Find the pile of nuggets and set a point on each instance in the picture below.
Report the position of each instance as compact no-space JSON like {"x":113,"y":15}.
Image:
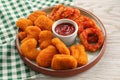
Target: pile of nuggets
{"x":38,"y":44}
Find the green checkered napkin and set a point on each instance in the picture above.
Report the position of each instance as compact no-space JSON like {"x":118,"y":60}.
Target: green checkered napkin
{"x":11,"y":66}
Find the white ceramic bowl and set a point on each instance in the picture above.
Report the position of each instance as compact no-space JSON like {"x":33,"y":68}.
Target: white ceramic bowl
{"x":67,"y":39}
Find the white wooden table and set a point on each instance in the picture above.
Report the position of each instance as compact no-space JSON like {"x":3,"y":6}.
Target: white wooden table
{"x":108,"y":68}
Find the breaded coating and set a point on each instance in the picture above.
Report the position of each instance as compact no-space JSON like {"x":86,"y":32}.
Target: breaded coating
{"x":78,"y":52}
{"x":63,"y":62}
{"x":33,"y":32}
{"x":44,"y":23}
{"x":28,"y":49}
{"x":22,"y":23}
{"x":56,"y":12}
{"x":75,"y":14}
{"x":62,"y":48}
{"x":25,"y":39}
{"x":45,"y":35}
{"x":45,"y":44}
{"x":33,"y":16}
{"x":45,"y":56}
{"x":22,"y":35}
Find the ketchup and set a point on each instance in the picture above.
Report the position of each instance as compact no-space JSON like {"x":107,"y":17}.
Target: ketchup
{"x":65,"y":29}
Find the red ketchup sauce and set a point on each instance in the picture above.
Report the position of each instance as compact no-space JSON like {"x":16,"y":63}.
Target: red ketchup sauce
{"x":65,"y":29}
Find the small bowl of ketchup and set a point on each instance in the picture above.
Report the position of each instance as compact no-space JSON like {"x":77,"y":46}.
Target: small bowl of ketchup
{"x":66,"y":30}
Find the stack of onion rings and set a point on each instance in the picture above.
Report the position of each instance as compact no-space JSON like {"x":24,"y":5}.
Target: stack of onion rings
{"x":84,"y":23}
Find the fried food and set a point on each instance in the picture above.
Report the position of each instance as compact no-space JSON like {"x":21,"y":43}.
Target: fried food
{"x":92,"y":38}
{"x":45,"y":56}
{"x":25,"y":39}
{"x":56,"y":12}
{"x":63,"y":62}
{"x":22,"y":35}
{"x":68,"y":11}
{"x":84,"y":39}
{"x":45,"y":38}
{"x":45,"y":35}
{"x":75,"y":14}
{"x":22,"y":23}
{"x":28,"y":49}
{"x":80,"y":19}
{"x":78,"y":52}
{"x":87,"y":23}
{"x":33,"y":16}
{"x":60,"y":11}
{"x":62,"y":48}
{"x":45,"y":44}
{"x":33,"y":32}
{"x":38,"y":43}
{"x":44,"y":23}
{"x":84,"y":23}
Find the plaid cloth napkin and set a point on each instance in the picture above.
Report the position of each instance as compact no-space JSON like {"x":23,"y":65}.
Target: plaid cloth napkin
{"x":11,"y":66}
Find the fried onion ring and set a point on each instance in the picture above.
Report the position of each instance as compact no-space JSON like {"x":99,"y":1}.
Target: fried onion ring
{"x":84,"y":23}
{"x":88,"y":46}
{"x":92,"y":38}
{"x":56,"y":12}
{"x":75,"y":14}
{"x":87,"y":23}
{"x":68,"y":11}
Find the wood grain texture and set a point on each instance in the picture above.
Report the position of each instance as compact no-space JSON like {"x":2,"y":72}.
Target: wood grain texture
{"x":108,"y":68}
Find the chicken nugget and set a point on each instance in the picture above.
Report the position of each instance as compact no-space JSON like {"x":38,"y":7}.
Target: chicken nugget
{"x":44,"y":23}
{"x":45,"y":44}
{"x":33,"y":32}
{"x":22,"y":35}
{"x":62,"y":48}
{"x":63,"y":62}
{"x":33,"y":16}
{"x":45,"y":35}
{"x":45,"y":56}
{"x":78,"y":52}
{"x":28,"y":49}
{"x":22,"y":23}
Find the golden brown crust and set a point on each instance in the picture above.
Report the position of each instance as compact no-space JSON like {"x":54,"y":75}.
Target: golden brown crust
{"x":22,"y":23}
{"x":33,"y":32}
{"x":45,"y":35}
{"x":33,"y":16}
{"x":45,"y":56}
{"x":84,"y":39}
{"x":22,"y":35}
{"x":62,"y":48}
{"x":78,"y":52}
{"x":44,"y":23}
{"x":45,"y":44}
{"x":56,"y":12}
{"x":28,"y":49}
{"x":63,"y":62}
